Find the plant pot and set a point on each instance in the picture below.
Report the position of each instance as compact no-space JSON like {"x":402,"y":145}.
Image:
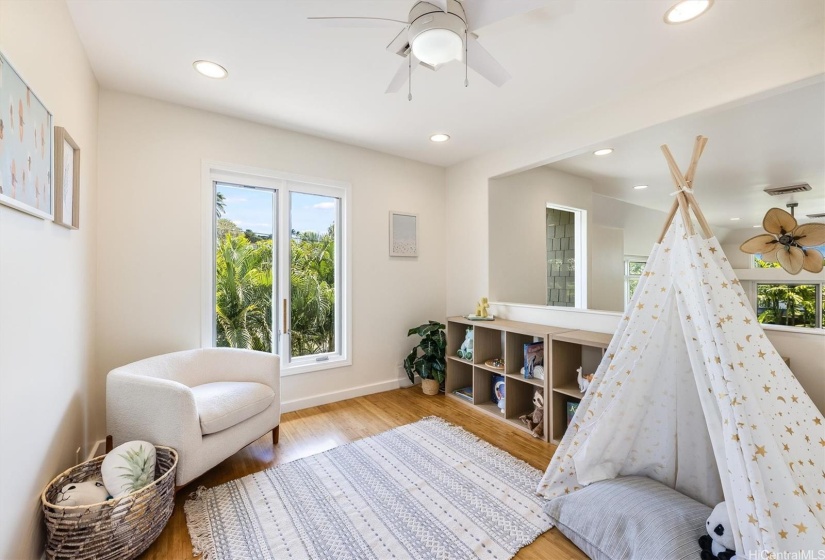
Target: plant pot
{"x":429,"y":386}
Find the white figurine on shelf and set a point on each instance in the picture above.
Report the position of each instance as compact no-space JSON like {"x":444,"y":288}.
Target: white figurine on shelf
{"x":584,"y":380}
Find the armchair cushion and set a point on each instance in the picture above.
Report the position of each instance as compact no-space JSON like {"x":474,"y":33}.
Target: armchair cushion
{"x":224,"y":404}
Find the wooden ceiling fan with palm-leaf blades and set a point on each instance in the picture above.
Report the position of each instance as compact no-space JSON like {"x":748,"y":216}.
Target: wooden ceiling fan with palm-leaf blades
{"x":787,"y":243}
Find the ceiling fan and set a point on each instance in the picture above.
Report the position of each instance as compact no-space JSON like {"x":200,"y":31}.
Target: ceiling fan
{"x":438,"y":32}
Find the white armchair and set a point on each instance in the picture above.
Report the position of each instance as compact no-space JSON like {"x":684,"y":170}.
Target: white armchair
{"x":206,"y":404}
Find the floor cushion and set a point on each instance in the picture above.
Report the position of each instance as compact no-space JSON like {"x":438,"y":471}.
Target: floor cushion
{"x":630,"y":517}
{"x":224,"y":404}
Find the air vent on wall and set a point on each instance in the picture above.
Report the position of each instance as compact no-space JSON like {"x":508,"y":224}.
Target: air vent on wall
{"x":778,"y":191}
{"x":814,"y":216}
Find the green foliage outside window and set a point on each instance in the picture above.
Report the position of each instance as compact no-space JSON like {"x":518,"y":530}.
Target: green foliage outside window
{"x":784,"y":304}
{"x":244,"y":290}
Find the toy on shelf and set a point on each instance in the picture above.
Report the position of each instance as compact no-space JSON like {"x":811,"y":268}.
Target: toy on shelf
{"x":584,"y":380}
{"x":499,"y":394}
{"x":466,"y":350}
{"x":482,"y":307}
{"x":535,"y":420}
{"x":481,"y":311}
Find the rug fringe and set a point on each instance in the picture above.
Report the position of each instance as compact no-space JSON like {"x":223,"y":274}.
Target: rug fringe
{"x":197,"y":521}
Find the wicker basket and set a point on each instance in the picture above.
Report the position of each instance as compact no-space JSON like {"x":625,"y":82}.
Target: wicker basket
{"x":120,"y":528}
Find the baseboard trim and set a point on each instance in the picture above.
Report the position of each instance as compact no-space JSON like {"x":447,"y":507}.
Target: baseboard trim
{"x":335,"y":396}
{"x":99,"y":444}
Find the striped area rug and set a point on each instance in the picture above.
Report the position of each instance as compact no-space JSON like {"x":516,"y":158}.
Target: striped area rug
{"x":427,"y":490}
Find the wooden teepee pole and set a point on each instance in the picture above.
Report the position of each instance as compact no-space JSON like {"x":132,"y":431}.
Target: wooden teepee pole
{"x":685,"y":199}
{"x":679,"y":181}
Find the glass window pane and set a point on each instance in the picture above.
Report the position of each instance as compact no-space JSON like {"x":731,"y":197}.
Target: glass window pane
{"x":631,"y":288}
{"x":784,"y":304}
{"x":561,"y":257}
{"x":635,"y":268}
{"x":243,"y":267}
{"x":313,"y":262}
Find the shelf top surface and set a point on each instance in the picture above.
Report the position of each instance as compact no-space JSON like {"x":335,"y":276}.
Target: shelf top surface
{"x":530,"y":329}
{"x":586,"y":338}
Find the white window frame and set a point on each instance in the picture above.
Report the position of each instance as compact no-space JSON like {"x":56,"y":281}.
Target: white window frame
{"x":283,"y":184}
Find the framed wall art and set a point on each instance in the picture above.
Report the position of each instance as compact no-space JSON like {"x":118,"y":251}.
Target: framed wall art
{"x":403,"y":234}
{"x":25,"y":146}
{"x":66,"y":179}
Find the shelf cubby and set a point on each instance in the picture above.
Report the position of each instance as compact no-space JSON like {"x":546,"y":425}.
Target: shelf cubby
{"x":498,"y":339}
{"x":569,"y":351}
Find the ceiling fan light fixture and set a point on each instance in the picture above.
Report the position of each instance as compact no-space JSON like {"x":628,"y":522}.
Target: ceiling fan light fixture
{"x":687,"y":10}
{"x":438,"y":46}
{"x":210,"y":69}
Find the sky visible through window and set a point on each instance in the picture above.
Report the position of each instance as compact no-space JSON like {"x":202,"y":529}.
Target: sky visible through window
{"x":252,"y":209}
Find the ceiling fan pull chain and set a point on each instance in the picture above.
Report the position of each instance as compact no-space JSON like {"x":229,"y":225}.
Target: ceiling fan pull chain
{"x":409,"y":81}
{"x":466,"y":81}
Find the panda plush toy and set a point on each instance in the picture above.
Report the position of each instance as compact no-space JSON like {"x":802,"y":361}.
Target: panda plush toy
{"x":718,"y":543}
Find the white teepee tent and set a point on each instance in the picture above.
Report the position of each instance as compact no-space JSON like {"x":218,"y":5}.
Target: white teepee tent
{"x":692,"y":393}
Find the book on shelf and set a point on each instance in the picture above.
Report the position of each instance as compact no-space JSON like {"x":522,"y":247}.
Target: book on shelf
{"x":465,"y":393}
{"x":497,"y":391}
{"x":572,"y":406}
{"x":533,"y":356}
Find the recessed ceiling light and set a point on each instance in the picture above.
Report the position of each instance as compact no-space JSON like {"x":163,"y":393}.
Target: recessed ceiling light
{"x":686,"y":10}
{"x":603,"y":152}
{"x":757,"y":225}
{"x":210,"y":69}
{"x":735,"y":219}
{"x":439,"y":137}
{"x":640,"y":187}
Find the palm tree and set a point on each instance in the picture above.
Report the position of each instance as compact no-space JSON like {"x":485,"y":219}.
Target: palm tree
{"x":243,"y":302}
{"x":220,"y":205}
{"x":312,"y":290}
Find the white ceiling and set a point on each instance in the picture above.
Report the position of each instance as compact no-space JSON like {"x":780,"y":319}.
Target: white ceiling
{"x":300,"y":75}
{"x":775,"y":140}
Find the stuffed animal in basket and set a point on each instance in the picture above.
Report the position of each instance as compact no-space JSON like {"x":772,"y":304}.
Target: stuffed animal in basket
{"x":718,"y":543}
{"x":466,"y":350}
{"x":82,"y":493}
{"x":535,"y":421}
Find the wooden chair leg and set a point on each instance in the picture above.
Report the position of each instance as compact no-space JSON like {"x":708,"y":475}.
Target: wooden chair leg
{"x":275,"y":434}
{"x":109,"y":443}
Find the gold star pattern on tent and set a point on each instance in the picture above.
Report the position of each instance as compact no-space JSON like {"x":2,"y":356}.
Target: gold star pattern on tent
{"x":787,"y":243}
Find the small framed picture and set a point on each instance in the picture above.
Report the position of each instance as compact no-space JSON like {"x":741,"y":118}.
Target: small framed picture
{"x":403,"y":234}
{"x":66,"y":179}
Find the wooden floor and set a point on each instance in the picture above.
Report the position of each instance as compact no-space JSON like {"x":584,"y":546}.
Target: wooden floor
{"x":317,"y":429}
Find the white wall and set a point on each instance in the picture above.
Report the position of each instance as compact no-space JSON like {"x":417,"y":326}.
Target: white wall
{"x":779,"y":61}
{"x":606,"y":267}
{"x":150,"y":241}
{"x":518,"y":238}
{"x":48,"y":405}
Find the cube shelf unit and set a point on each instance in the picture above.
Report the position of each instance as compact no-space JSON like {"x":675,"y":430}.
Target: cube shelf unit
{"x":568,"y":351}
{"x":497,"y":339}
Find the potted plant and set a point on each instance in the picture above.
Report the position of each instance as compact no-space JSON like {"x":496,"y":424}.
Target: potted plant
{"x":427,"y":358}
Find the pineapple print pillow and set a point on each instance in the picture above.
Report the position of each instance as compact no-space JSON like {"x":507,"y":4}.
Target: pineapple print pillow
{"x":128,"y":467}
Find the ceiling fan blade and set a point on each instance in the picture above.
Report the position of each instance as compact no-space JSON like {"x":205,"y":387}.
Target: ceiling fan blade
{"x":440,"y":4}
{"x":481,"y":13}
{"x":403,"y":74}
{"x":483,"y":62}
{"x":358,"y":22}
{"x":400,"y":44}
